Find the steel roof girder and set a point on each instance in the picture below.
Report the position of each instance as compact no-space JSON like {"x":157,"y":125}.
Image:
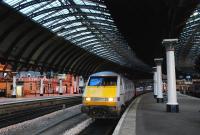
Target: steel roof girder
{"x":67,"y":7}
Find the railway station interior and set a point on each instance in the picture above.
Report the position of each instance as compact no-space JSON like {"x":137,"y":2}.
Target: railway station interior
{"x":61,"y":62}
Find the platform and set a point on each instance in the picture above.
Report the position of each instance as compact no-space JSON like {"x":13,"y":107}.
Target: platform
{"x":4,"y":101}
{"x":151,"y":118}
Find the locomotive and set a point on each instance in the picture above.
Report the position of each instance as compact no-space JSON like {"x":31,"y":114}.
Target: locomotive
{"x":107,"y":94}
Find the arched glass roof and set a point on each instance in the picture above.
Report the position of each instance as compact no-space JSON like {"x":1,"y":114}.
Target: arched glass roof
{"x":86,"y":23}
{"x":188,"y":48}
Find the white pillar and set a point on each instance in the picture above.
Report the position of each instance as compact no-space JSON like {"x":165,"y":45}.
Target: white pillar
{"x":41,"y":87}
{"x":155,"y":82}
{"x":172,"y":104}
{"x":158,"y":62}
{"x":14,"y":85}
{"x":75,"y":86}
{"x":71,"y":90}
{"x":60,"y":87}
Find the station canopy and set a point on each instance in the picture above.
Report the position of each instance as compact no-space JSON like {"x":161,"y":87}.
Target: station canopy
{"x":85,"y":23}
{"x":188,"y":49}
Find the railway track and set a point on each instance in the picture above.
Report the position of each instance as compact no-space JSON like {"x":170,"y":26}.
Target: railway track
{"x":100,"y":127}
{"x":24,"y":115}
{"x":60,"y":127}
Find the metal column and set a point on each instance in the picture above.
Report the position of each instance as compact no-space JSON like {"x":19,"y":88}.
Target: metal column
{"x":14,"y":85}
{"x":155,"y":82}
{"x":158,"y":62}
{"x":60,"y":87}
{"x":172,"y":104}
{"x":41,"y":87}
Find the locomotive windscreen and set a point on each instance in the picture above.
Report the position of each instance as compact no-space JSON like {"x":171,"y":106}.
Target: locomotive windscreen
{"x":103,"y":81}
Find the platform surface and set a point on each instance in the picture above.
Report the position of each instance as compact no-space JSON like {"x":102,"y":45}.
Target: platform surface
{"x":152,"y":119}
{"x":30,"y":98}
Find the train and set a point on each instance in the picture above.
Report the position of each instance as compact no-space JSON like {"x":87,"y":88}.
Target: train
{"x":107,"y":95}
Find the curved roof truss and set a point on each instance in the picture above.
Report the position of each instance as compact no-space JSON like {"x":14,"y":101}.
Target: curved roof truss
{"x":188,"y":49}
{"x":87,"y":24}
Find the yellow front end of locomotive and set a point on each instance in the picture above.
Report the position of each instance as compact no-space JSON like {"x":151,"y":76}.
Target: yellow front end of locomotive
{"x":100,"y":96}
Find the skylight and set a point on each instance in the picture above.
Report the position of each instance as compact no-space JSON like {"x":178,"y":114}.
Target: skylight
{"x":86,"y":23}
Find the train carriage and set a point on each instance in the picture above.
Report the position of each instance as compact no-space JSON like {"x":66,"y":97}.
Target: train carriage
{"x":106,"y":95}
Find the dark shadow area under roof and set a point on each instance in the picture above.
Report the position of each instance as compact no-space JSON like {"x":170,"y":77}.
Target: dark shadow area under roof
{"x":26,"y":45}
{"x":145,"y":23}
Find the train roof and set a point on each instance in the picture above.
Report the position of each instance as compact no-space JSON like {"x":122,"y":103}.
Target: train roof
{"x":105,"y":73}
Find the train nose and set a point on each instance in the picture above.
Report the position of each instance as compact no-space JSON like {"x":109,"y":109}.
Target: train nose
{"x":85,"y":109}
{"x":99,"y":112}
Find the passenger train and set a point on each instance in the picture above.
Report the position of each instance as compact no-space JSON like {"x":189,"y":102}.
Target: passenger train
{"x":106,"y":95}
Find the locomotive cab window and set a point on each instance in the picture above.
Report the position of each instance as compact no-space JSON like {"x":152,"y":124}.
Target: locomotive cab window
{"x":102,"y":81}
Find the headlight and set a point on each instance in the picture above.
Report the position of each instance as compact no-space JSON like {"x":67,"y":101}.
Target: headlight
{"x":88,"y":99}
{"x":110,"y":99}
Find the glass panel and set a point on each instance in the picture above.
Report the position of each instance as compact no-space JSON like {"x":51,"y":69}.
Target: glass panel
{"x":91,"y":44}
{"x":13,"y":2}
{"x":66,"y":20}
{"x":84,"y":33}
{"x":88,"y":41}
{"x":103,"y":6}
{"x":79,"y":2}
{"x":29,"y":9}
{"x":83,"y":2}
{"x":86,"y":10}
{"x":40,"y":16}
{"x":57,"y":28}
{"x":85,"y":37}
{"x":47,"y":24}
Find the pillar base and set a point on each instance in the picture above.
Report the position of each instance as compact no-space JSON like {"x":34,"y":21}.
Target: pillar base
{"x":41,"y":94}
{"x":13,"y":96}
{"x":173,"y":108}
{"x":60,"y":93}
{"x":155,"y":96}
{"x":160,"y":100}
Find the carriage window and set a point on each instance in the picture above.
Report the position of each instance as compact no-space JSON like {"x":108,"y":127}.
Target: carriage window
{"x":102,"y":81}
